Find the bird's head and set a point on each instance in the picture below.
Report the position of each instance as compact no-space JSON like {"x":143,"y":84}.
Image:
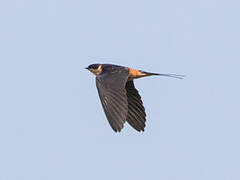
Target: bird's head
{"x":95,"y":68}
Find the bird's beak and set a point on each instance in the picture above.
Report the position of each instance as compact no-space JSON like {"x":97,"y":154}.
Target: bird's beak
{"x":87,"y":68}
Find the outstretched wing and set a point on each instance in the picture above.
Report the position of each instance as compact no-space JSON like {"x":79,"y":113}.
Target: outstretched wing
{"x":136,"y":116}
{"x":112,"y":93}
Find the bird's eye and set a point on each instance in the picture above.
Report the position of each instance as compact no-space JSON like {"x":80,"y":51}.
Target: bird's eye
{"x":93,"y":66}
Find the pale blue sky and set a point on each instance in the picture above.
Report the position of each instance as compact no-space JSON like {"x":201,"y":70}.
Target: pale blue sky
{"x":52,"y":125}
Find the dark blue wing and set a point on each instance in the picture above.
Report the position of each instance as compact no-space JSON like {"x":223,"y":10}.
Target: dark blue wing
{"x":136,"y":116}
{"x":112,"y":93}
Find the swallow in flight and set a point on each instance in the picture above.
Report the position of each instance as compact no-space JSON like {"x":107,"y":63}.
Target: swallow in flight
{"x":119,"y":97}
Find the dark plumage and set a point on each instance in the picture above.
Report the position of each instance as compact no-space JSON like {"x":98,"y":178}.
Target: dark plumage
{"x":119,"y":97}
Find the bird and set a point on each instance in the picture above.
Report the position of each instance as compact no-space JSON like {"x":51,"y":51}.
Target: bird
{"x":120,"y":99}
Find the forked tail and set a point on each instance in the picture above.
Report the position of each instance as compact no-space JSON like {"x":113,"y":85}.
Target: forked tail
{"x":179,"y":76}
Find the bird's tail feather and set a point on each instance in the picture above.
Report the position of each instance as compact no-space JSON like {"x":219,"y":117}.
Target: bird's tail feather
{"x":179,"y":76}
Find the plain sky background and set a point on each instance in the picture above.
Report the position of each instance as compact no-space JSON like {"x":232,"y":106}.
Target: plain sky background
{"x":52,"y":125}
